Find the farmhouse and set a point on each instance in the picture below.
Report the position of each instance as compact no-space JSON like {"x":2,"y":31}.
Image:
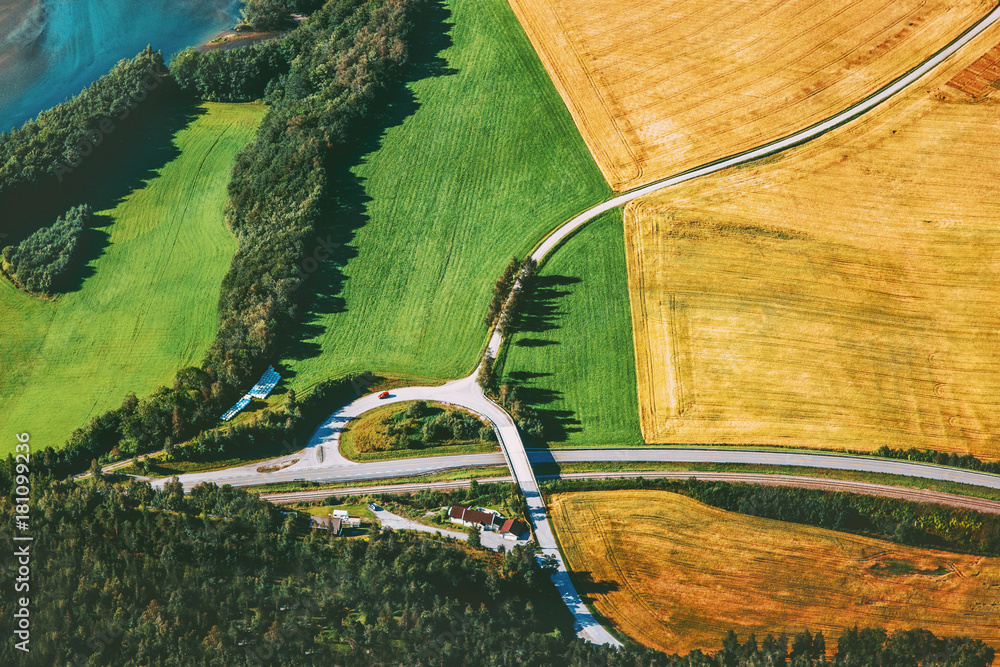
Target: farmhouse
{"x":512,"y":529}
{"x":465,"y":516}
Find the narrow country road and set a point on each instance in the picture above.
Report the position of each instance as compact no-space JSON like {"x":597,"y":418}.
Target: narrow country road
{"x":321,"y":459}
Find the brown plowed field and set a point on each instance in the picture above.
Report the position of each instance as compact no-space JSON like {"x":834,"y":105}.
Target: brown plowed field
{"x":675,"y":574}
{"x":660,"y":86}
{"x":843,"y":294}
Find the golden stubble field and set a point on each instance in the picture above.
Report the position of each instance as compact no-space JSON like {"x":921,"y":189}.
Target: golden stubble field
{"x":660,"y":86}
{"x":675,"y":574}
{"x":843,"y":294}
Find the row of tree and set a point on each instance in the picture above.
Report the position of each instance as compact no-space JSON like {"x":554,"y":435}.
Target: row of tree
{"x":902,"y":521}
{"x":501,"y":290}
{"x":955,"y":460}
{"x":175,"y":415}
{"x":41,"y":262}
{"x":508,"y":395}
{"x":866,"y":647}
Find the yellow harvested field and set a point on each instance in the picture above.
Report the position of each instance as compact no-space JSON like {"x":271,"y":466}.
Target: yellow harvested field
{"x":843,"y":294}
{"x":675,"y":574}
{"x":661,"y":86}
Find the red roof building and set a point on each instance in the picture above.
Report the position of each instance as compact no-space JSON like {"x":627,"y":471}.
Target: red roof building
{"x":462,"y":514}
{"x":512,"y":529}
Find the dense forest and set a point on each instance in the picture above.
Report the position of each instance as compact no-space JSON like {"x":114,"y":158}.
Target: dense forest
{"x":124,"y":575}
{"x":273,"y":14}
{"x":40,"y":262}
{"x":234,"y":75}
{"x":901,"y":521}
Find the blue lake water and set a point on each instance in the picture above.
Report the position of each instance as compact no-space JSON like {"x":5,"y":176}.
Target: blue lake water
{"x":51,"y":49}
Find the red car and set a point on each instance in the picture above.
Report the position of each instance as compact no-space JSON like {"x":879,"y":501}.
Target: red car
{"x":384,"y":394}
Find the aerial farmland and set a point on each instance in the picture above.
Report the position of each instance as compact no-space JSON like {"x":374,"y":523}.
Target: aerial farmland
{"x":838,"y":296}
{"x":657,"y":88}
{"x":496,"y":332}
{"x":676,"y":574}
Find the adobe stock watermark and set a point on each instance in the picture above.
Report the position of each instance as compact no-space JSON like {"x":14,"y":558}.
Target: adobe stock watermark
{"x":22,"y":542}
{"x":106,"y":125}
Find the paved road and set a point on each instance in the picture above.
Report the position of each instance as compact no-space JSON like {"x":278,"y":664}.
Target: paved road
{"x":778,"y":458}
{"x":779,"y":145}
{"x":799,"y":481}
{"x":419,"y":466}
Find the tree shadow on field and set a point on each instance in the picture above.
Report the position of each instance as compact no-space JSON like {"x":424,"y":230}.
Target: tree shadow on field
{"x":587,"y":585}
{"x":539,"y":313}
{"x":346,"y":207}
{"x":127,"y":157}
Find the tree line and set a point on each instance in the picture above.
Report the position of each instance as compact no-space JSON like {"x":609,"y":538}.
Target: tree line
{"x":55,"y":141}
{"x":508,"y":395}
{"x":133,"y":576}
{"x":273,"y":14}
{"x":170,"y":416}
{"x":345,"y":56}
{"x":40,"y":263}
{"x":233,"y":75}
{"x":967,"y":461}
{"x":895,"y":520}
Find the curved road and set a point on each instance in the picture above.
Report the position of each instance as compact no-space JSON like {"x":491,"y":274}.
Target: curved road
{"x":321,"y":455}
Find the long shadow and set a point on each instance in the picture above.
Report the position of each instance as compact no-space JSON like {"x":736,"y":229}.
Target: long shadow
{"x":539,"y":314}
{"x":539,"y":310}
{"x":587,"y":585}
{"x":347,"y":197}
{"x":128,"y":156}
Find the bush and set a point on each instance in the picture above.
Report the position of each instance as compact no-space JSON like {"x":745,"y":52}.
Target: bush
{"x":418,"y":410}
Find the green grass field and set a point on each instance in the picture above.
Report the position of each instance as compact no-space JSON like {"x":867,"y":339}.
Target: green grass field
{"x":485,"y":162}
{"x":149,"y":306}
{"x":572,"y":351}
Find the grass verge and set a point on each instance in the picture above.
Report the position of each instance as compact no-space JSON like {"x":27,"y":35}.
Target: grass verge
{"x":444,"y":476}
